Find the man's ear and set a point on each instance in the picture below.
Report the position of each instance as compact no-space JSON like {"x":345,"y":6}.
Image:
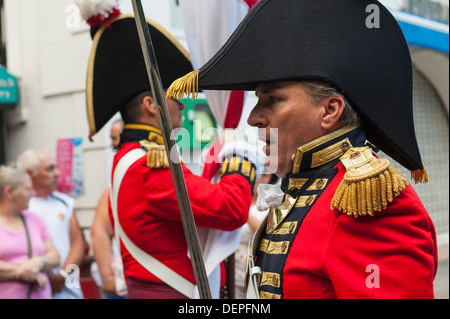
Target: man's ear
{"x":149,"y":105}
{"x":6,"y":192}
{"x":332,"y":111}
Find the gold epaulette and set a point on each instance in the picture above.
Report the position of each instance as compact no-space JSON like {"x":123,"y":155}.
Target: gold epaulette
{"x":369,"y":184}
{"x":156,"y":154}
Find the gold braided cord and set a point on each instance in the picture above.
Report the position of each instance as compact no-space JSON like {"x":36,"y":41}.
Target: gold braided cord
{"x":187,"y":84}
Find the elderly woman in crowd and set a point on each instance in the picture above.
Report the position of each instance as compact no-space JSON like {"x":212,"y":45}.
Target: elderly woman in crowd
{"x":26,"y":249}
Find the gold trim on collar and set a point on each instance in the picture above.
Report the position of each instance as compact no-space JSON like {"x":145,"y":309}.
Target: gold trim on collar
{"x":319,"y":141}
{"x":154,"y":135}
{"x":142,"y":127}
{"x":330,"y":153}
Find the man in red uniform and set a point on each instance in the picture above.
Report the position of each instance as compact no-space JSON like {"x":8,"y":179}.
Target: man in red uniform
{"x":330,"y":76}
{"x":144,"y":203}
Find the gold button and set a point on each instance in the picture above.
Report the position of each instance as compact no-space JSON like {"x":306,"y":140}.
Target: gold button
{"x":275,"y":280}
{"x":320,"y":183}
{"x":345,"y":146}
{"x":309,"y":200}
{"x":355,"y":155}
{"x":283,"y":247}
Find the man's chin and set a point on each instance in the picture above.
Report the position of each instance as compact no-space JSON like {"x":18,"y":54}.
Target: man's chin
{"x":271,"y":165}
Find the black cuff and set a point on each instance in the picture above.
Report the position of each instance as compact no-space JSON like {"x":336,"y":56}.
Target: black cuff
{"x":235,"y":164}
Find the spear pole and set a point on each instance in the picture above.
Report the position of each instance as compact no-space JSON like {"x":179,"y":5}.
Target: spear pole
{"x":187,"y":218}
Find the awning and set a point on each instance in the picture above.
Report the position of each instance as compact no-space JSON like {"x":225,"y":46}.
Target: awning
{"x":423,"y":32}
{"x":9,"y":90}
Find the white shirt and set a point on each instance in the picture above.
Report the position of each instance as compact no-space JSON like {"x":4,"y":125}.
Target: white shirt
{"x":56,"y":210}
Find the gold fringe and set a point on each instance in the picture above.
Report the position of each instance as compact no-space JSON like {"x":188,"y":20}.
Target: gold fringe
{"x":187,"y":84}
{"x":420,"y":175}
{"x":366,"y":193}
{"x":156,"y":154}
{"x":157,"y":157}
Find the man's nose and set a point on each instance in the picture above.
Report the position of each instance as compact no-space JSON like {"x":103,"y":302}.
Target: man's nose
{"x":56,"y":172}
{"x":256,"y":118}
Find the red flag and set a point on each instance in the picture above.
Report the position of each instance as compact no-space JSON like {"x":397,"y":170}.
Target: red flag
{"x":251,"y":3}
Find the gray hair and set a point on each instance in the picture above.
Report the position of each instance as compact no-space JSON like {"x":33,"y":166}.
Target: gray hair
{"x":29,"y":161}
{"x":318,"y":90}
{"x":118,"y":121}
{"x":11,"y":176}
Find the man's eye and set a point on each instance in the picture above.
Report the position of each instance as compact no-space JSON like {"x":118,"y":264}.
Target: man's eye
{"x":50,"y":168}
{"x":274,"y":100}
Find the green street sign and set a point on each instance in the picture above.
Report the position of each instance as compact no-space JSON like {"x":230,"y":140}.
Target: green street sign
{"x":9,"y":90}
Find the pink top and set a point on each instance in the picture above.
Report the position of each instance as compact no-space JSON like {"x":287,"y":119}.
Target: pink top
{"x":13,"y":248}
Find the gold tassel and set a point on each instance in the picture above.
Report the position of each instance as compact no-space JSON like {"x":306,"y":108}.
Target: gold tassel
{"x":364,"y":193}
{"x":187,"y":84}
{"x":420,"y":175}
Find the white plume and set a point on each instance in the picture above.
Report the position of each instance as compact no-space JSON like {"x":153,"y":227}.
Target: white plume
{"x":90,"y":8}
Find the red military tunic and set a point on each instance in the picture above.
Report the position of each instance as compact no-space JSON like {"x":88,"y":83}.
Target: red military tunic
{"x":319,"y":252}
{"x":149,"y":214}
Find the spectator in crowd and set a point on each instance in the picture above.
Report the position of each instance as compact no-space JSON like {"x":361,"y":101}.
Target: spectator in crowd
{"x":26,"y":248}
{"x":57,"y":210}
{"x":106,"y":253}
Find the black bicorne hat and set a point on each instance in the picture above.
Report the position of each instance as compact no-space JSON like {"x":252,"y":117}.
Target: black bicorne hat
{"x":356,"y":46}
{"x":117,"y":71}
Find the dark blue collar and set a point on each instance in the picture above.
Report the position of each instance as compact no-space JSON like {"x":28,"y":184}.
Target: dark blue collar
{"x":326,"y":148}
